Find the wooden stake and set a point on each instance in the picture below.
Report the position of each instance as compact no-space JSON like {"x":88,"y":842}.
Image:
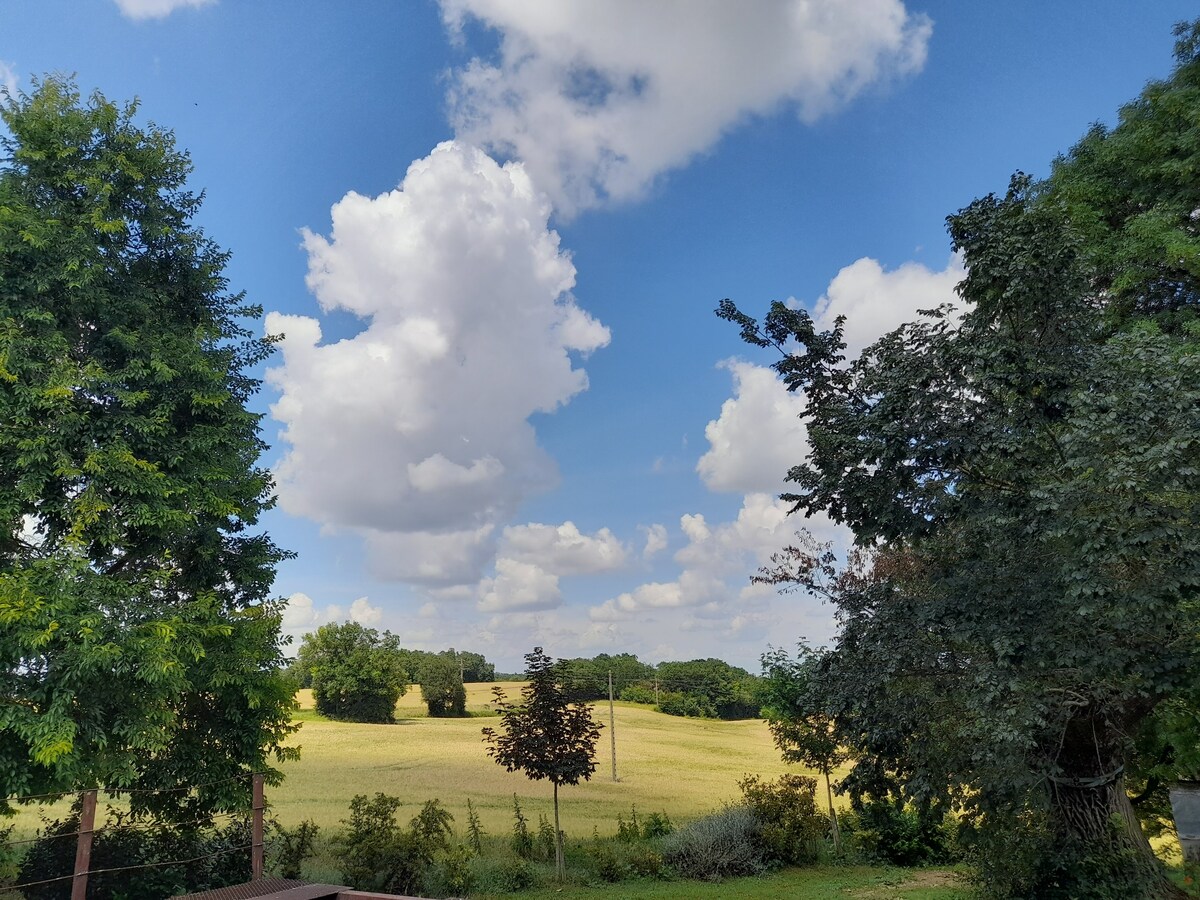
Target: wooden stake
{"x":83,"y":846}
{"x":612,"y":726}
{"x":256,"y":848}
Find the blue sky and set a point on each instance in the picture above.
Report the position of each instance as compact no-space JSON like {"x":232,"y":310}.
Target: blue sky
{"x":493,"y":235}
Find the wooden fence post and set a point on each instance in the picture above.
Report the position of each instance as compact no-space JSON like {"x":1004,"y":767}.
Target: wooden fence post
{"x":256,"y":849}
{"x":83,"y":846}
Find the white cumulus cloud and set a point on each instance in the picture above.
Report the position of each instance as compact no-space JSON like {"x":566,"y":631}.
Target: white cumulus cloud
{"x":757,"y":437}
{"x":875,"y":300}
{"x":519,"y":586}
{"x":156,"y":9}
{"x":656,"y":540}
{"x":415,"y":433}
{"x":599,"y":98}
{"x":563,"y":549}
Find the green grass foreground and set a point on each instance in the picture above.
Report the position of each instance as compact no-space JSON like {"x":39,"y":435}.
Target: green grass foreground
{"x":816,"y":883}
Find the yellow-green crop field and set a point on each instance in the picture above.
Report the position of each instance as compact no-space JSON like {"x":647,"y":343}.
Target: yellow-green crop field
{"x":683,"y":767}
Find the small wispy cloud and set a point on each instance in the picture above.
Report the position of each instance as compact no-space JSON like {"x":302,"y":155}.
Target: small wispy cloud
{"x":139,"y":10}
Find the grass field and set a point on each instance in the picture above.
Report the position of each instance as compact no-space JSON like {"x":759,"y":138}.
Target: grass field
{"x":683,"y":767}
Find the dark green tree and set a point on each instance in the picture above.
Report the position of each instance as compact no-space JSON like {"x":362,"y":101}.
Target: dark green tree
{"x":548,"y":735}
{"x":441,"y":688}
{"x":139,"y":645}
{"x":801,"y":726}
{"x":473,"y":667}
{"x":710,"y":686}
{"x":357,"y":673}
{"x":1023,"y":478}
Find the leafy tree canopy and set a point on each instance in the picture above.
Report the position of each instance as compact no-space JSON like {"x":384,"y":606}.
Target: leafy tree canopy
{"x":139,"y":647}
{"x":1021,"y":476}
{"x":356,"y":672}
{"x":441,"y":687}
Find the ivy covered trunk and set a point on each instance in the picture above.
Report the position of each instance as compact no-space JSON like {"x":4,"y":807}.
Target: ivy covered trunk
{"x":1100,"y":840}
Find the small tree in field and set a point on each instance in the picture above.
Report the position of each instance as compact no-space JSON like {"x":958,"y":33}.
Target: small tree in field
{"x":546,"y":735}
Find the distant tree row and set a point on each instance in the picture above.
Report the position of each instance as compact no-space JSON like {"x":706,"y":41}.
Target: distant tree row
{"x":358,"y":674}
{"x":705,"y":688}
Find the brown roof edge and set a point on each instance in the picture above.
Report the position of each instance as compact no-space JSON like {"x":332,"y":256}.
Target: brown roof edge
{"x":270,"y":889}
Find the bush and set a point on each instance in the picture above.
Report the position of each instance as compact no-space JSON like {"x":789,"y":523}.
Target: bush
{"x":891,"y":831}
{"x":522,"y":840}
{"x":723,"y":845}
{"x":608,"y":867}
{"x":646,"y":861}
{"x":790,"y":826}
{"x":638,"y":693}
{"x":516,"y":875}
{"x":133,"y":843}
{"x":376,"y":855}
{"x":657,"y":825}
{"x":692,"y":705}
{"x":292,"y":847}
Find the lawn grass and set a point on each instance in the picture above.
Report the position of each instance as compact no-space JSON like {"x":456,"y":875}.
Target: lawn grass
{"x":813,"y":883}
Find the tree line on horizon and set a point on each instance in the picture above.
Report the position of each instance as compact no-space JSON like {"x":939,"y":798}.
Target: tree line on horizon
{"x":358,"y":674}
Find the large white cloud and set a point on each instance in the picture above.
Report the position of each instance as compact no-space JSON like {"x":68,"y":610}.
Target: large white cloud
{"x":717,"y":561}
{"x":563,"y":549}
{"x":757,"y":437}
{"x":876,"y":300}
{"x":599,"y":98}
{"x":759,"y":434}
{"x":415,"y":432}
{"x":156,"y":9}
{"x":301,"y":615}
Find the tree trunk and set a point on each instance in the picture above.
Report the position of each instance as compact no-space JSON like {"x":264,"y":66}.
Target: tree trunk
{"x":560,"y":865}
{"x":837,"y":834}
{"x":1092,"y":815}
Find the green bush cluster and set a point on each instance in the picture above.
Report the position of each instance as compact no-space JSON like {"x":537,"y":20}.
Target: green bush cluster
{"x":723,"y":845}
{"x":891,"y":831}
{"x":376,"y":854}
{"x":219,"y":854}
{"x":790,"y":826}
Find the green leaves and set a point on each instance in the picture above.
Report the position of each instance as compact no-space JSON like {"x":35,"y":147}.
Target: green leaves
{"x":139,"y":646}
{"x":1022,"y":480}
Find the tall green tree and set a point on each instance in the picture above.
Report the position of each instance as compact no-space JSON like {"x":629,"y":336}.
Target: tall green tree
{"x":139,"y":645}
{"x":802,"y":727}
{"x":357,"y":673}
{"x":442,"y":688}
{"x":1023,"y":478}
{"x":548,"y":735}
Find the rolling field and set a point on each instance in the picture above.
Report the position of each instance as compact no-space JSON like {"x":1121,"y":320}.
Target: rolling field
{"x":683,"y":767}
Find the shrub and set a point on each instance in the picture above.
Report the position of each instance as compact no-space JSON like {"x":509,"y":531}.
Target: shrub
{"x":891,"y":831}
{"x":516,"y":875}
{"x":608,"y":867}
{"x":638,"y":693}
{"x":129,"y":842}
{"x":522,"y":840}
{"x":376,"y":854}
{"x":545,"y":837}
{"x":474,"y":829}
{"x":453,"y":876}
{"x":722,"y":845}
{"x":692,"y":705}
{"x":646,"y":861}
{"x":657,"y":825}
{"x":293,"y":846}
{"x":790,"y":826}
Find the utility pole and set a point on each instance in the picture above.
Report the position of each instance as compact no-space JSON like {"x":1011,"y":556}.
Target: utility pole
{"x":612,"y":726}
{"x":656,"y":690}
